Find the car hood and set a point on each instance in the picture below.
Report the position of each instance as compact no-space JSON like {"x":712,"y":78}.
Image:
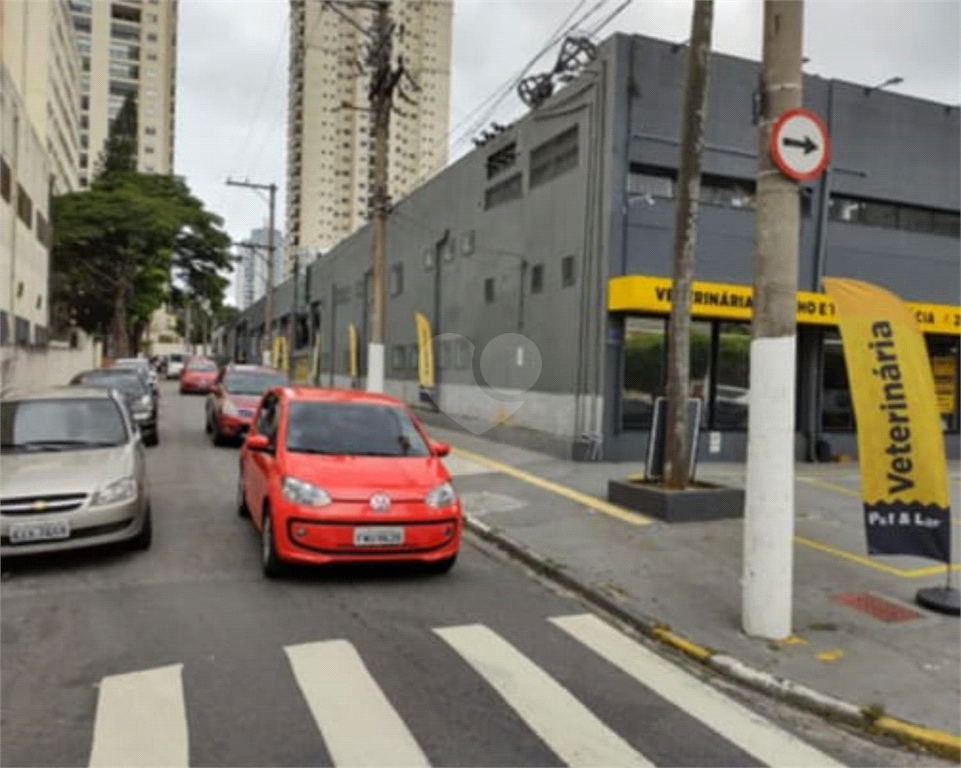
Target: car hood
{"x":355,"y":478}
{"x":41,"y":474}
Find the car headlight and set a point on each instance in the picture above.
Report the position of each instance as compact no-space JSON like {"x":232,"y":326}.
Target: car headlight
{"x":145,"y":402}
{"x":115,"y":492}
{"x":442,"y":496}
{"x":229,"y":409}
{"x":305,"y":494}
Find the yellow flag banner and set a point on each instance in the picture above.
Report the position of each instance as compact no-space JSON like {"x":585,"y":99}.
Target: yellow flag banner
{"x":425,"y":352}
{"x":281,"y":361}
{"x":900,"y":443}
{"x":352,"y":351}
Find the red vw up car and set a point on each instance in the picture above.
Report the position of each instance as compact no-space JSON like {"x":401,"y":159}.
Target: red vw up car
{"x":333,"y":475}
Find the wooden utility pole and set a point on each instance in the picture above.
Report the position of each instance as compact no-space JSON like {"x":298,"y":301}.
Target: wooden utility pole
{"x":688,"y":187}
{"x":769,"y":503}
{"x":266,"y":340}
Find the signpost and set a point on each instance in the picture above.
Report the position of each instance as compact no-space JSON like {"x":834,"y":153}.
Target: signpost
{"x":800,"y":146}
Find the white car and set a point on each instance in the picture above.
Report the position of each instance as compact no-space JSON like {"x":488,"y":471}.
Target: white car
{"x":175,"y":364}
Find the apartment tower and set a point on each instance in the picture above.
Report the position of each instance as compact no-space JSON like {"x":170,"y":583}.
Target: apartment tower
{"x":328,"y":129}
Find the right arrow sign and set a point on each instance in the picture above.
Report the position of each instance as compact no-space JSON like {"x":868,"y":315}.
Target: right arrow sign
{"x":799,"y":144}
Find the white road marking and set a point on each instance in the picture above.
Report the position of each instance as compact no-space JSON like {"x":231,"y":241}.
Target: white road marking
{"x":572,"y":731}
{"x":359,"y":725}
{"x":141,"y":720}
{"x":458,"y":466}
{"x":736,"y":723}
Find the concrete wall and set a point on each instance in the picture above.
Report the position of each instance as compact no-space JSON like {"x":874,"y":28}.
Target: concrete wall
{"x":23,"y":369}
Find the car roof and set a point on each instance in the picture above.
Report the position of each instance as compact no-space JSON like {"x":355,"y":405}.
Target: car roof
{"x":332,"y":395}
{"x":135,"y":360}
{"x":245,"y":368}
{"x":63,"y":393}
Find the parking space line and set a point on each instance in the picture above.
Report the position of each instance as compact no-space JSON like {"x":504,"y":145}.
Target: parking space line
{"x":904,"y":573}
{"x":598,"y":505}
{"x":831,"y":486}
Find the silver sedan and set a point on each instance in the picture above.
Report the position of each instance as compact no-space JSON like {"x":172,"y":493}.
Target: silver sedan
{"x":72,"y":473}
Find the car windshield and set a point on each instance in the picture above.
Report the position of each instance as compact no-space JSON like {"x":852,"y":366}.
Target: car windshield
{"x":176,"y":358}
{"x":131,"y":363}
{"x":60,"y":425}
{"x":129,"y":383}
{"x":352,"y":429}
{"x":201,"y":365}
{"x":252,"y":382}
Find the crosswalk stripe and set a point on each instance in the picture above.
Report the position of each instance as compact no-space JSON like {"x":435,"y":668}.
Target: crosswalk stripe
{"x":359,"y":725}
{"x":736,"y":723}
{"x":141,"y":720}
{"x":571,"y":730}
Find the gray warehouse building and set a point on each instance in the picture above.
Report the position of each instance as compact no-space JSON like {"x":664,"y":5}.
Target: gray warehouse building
{"x":560,"y":229}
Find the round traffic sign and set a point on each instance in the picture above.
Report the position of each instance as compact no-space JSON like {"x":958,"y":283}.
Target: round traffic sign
{"x":800,"y":146}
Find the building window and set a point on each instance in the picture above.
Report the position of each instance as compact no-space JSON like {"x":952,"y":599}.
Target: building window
{"x":398,"y":358}
{"x":554,"y":157}
{"x":121,"y":31}
{"x":24,"y":206}
{"x":943,"y":352}
{"x":489,"y":290}
{"x":837,"y":412}
{"x":44,"y":232}
{"x":396,"y":280}
{"x":910,"y":218}
{"x":732,"y":376}
{"x":125,"y":13}
{"x":504,"y":192}
{"x":148,"y":150}
{"x":5,"y":180}
{"x":150,"y":131}
{"x":501,"y":160}
{"x":567,"y":272}
{"x":151,"y":38}
{"x":645,"y":181}
{"x":645,"y":364}
{"x":82,"y":23}
{"x":537,"y":278}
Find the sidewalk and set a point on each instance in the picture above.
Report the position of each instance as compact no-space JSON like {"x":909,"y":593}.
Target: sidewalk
{"x":902,"y":661}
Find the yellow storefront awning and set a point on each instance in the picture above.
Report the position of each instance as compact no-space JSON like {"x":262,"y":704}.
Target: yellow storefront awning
{"x":729,"y":301}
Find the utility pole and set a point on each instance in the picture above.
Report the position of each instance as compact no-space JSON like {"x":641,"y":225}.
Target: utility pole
{"x":266,"y":341}
{"x":678,"y":452}
{"x":769,"y":504}
{"x":384,"y":79}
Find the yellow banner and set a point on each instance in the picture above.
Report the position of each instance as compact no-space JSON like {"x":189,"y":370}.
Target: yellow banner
{"x":900,"y":443}
{"x":723,"y":301}
{"x":301,"y":370}
{"x":280,"y":358}
{"x":425,"y":352}
{"x":352,"y":351}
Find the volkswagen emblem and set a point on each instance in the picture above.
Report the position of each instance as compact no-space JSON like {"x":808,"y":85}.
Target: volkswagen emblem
{"x":380,"y":502}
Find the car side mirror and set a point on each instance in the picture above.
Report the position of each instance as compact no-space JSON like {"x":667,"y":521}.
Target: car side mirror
{"x":440,"y":449}
{"x":258,"y":443}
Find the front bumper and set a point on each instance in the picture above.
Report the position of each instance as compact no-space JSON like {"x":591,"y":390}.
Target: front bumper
{"x":203,"y":387}
{"x":89,"y":527}
{"x":233,"y":426}
{"x":306,"y":536}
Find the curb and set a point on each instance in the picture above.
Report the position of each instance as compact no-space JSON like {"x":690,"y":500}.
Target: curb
{"x":938,"y":742}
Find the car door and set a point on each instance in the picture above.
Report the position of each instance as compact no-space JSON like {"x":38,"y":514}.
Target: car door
{"x":261,"y":463}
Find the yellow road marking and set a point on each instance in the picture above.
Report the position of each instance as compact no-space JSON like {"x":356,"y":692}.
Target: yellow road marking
{"x":830,"y":487}
{"x":829,"y":656}
{"x":792,"y":640}
{"x":611,"y":510}
{"x":944,"y":743}
{"x":904,"y":573}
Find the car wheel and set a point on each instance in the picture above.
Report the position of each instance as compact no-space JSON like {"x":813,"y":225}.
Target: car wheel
{"x":207,"y":424}
{"x":152,"y":438}
{"x":242,"y":509}
{"x":218,"y":438}
{"x":142,"y":540}
{"x":271,"y":563}
{"x":443,"y":566}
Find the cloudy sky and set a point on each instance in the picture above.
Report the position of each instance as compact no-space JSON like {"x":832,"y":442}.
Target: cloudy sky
{"x":232,"y":69}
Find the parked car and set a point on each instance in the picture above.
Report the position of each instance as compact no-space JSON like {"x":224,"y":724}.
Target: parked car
{"x":344,"y":476}
{"x":141,"y":364}
{"x":198,"y":375}
{"x":72,"y":473}
{"x":175,"y":364}
{"x":137,"y":394}
{"x":235,"y":397}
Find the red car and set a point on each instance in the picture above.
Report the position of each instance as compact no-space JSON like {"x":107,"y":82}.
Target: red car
{"x":198,"y":375}
{"x":332,"y":476}
{"x":235,"y":397}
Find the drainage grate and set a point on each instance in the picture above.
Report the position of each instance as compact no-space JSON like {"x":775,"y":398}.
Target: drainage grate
{"x":877,"y":607}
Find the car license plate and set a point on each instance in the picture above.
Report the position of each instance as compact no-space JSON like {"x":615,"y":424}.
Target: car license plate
{"x":380,"y":536}
{"x":47,"y":530}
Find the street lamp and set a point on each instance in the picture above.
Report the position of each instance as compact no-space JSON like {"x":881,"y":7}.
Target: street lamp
{"x":896,"y":80}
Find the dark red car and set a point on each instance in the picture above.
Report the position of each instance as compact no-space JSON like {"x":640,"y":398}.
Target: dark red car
{"x":198,"y":375}
{"x":235,"y":397}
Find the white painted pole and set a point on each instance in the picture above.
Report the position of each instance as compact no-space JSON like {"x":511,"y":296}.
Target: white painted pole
{"x":769,"y":504}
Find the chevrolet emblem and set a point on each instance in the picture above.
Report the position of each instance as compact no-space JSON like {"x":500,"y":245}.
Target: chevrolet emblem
{"x":38,"y":506}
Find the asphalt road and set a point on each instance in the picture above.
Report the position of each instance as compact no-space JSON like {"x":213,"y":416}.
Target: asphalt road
{"x":185,"y":655}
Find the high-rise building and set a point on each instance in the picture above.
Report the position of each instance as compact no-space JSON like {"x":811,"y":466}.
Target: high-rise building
{"x":251,"y":279}
{"x":39,"y":150}
{"x":127,"y":47}
{"x":328,"y":129}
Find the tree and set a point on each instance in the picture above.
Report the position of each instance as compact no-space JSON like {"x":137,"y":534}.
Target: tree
{"x":116,"y":244}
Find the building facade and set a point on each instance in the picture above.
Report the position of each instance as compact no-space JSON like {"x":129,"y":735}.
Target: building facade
{"x":546,"y":255}
{"x":127,"y":47}
{"x":251,"y":280}
{"x":328,"y":139}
